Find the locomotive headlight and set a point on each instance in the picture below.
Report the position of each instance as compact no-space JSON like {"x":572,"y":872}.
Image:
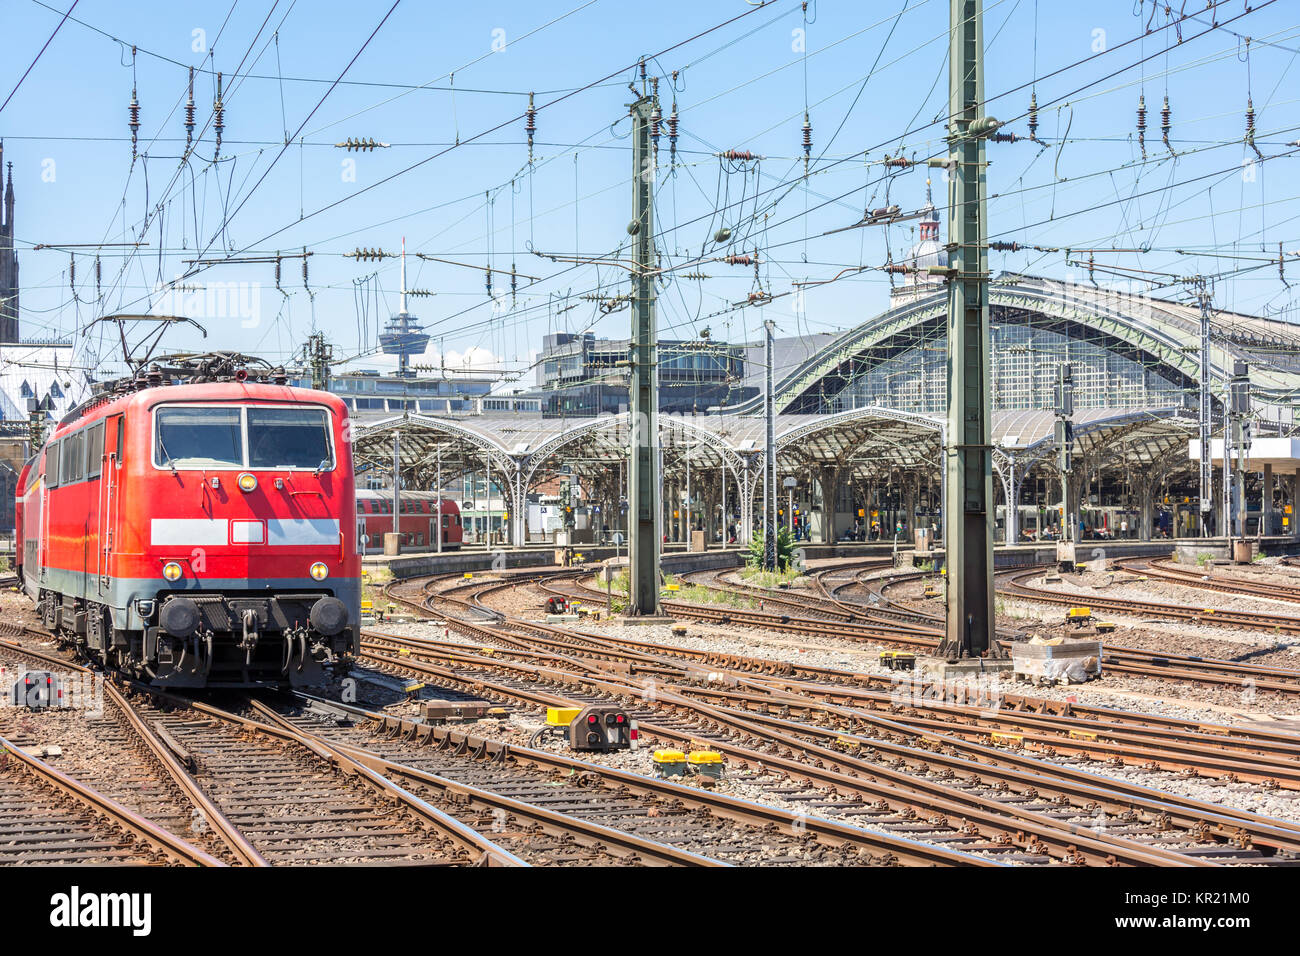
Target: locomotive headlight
{"x":247,"y":482}
{"x":320,"y":571}
{"x":172,"y":571}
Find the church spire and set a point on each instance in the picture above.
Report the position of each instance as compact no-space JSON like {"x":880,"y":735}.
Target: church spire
{"x":9,"y":201}
{"x":929,"y":224}
{"x":8,"y":260}
{"x":4,"y":219}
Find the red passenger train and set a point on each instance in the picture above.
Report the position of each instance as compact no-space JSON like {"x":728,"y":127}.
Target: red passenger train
{"x":418,"y":521}
{"x":197,"y":535}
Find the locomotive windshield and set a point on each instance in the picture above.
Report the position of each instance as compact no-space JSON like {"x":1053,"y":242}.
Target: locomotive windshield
{"x":259,"y":436}
{"x":199,"y":437}
{"x":288,"y":438}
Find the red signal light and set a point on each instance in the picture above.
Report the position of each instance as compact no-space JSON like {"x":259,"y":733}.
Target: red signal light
{"x":592,"y":718}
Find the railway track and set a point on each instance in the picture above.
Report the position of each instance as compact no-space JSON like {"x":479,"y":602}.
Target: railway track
{"x":1207,"y":580}
{"x":300,"y":801}
{"x":919,"y":631}
{"x":1133,"y":660}
{"x":896,"y":753}
{"x":673,"y":817}
{"x":48,"y":818}
{"x":536,"y":833}
{"x":1170,"y":736}
{"x":1013,"y":585}
{"x":795,"y":738}
{"x":904,"y":815}
{"x":1034,"y":817}
{"x":116,"y":752}
{"x":266,"y":801}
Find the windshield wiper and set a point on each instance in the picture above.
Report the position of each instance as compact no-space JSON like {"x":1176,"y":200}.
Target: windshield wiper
{"x":162,"y":446}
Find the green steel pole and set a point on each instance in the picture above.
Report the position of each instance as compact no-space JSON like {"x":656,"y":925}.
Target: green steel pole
{"x":769,"y":456}
{"x":643,"y":470}
{"x":968,"y":517}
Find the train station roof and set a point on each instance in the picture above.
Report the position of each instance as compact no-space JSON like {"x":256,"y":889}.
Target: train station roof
{"x":863,"y":439}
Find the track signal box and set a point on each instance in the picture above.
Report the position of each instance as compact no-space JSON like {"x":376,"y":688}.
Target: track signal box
{"x":601,"y":728}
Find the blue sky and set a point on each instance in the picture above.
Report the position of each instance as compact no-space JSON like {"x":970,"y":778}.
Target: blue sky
{"x":740,"y":86}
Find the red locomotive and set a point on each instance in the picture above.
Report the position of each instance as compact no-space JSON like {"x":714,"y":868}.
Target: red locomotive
{"x":418,"y":521}
{"x":199,"y":534}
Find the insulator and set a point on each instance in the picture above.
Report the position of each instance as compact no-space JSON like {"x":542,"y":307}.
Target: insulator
{"x":695,"y":275}
{"x":530,"y":126}
{"x":514,"y":282}
{"x":367,"y":145}
{"x":807,"y":142}
{"x":277,"y":270}
{"x":1250,"y":127}
{"x":1004,"y":138}
{"x":218,"y":117}
{"x":72,"y":271}
{"x":1165,"y":113}
{"x":737,"y":154}
{"x":1033,"y":117}
{"x":672,"y":134}
{"x":134,"y":123}
{"x":656,"y":117}
{"x":642,"y":66}
{"x":1142,"y":124}
{"x":489,"y":282}
{"x":740,"y":260}
{"x":900,"y":161}
{"x":98,"y":275}
{"x":189,"y":113}
{"x":1000,"y":246}
{"x":304,"y":268}
{"x":134,"y":109}
{"x":898,"y":268}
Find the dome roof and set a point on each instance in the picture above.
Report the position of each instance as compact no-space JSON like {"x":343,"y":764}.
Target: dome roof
{"x":927,"y":252}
